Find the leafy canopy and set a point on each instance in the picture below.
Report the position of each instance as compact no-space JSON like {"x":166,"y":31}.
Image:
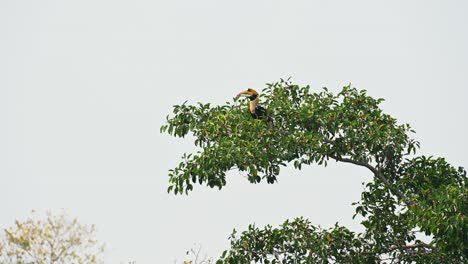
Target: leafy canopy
{"x":56,"y":238}
{"x":409,"y":194}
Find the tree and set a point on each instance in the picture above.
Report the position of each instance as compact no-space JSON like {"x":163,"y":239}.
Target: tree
{"x":55,"y":239}
{"x":409,"y":194}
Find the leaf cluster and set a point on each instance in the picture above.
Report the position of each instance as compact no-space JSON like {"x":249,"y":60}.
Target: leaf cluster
{"x":308,"y":127}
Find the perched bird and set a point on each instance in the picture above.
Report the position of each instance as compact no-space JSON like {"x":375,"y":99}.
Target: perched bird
{"x":257,"y":111}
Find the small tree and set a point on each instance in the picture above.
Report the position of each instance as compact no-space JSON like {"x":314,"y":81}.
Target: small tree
{"x":409,"y":194}
{"x":56,"y":239}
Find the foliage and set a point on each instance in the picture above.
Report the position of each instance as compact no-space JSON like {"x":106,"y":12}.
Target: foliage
{"x":409,"y":195}
{"x":54,"y":239}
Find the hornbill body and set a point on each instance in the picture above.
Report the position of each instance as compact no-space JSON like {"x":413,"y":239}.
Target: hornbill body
{"x":257,"y":111}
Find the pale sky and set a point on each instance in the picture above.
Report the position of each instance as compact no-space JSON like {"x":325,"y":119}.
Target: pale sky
{"x":85,"y":86}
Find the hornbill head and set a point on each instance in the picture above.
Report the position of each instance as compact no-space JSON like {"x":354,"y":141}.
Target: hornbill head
{"x":253,"y":96}
{"x":256,"y":110}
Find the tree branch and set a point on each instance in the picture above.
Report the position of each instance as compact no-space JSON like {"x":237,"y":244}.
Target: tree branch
{"x":376,"y":173}
{"x":417,"y":245}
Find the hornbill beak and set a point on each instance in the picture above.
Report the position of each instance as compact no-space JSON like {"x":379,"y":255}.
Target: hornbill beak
{"x":247,"y":93}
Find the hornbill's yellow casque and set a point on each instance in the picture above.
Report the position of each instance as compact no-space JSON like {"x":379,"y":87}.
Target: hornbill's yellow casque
{"x":257,"y":111}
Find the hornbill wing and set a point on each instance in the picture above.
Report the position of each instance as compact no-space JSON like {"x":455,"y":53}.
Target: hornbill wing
{"x":259,"y":112}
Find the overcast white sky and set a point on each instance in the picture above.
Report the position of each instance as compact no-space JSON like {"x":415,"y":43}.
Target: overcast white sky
{"x":85,"y":86}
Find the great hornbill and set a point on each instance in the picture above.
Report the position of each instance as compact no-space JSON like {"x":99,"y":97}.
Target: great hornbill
{"x":257,"y":111}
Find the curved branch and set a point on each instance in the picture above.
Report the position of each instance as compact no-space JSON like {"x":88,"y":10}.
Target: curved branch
{"x":376,"y":173}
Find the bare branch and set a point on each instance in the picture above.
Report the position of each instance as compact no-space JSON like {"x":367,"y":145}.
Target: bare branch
{"x":376,"y":173}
